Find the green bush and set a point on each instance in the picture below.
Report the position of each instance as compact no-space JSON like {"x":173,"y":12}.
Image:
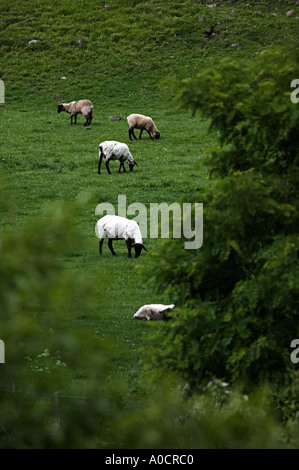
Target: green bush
{"x":44,"y":402}
{"x":217,"y":419}
{"x":238,"y":294}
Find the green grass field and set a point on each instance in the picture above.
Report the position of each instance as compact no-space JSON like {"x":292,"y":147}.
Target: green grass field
{"x":129,"y":47}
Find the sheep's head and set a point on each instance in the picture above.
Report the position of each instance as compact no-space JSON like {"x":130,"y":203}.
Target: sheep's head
{"x":60,"y":108}
{"x":138,"y":247}
{"x":131,"y":165}
{"x":157,"y":135}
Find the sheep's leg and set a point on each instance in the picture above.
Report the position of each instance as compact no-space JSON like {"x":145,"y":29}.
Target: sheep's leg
{"x":110,"y":246}
{"x":129,"y":246}
{"x":140,"y":133}
{"x":88,"y":120}
{"x":101,"y":245}
{"x":71,"y":119}
{"x":75,"y":118}
{"x":131,"y":133}
{"x":149,"y":134}
{"x":100,"y":163}
{"x":121,"y":165}
{"x":107,"y":166}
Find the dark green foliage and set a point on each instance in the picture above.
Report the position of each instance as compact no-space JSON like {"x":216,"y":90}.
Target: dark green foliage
{"x":164,"y":419}
{"x":44,"y":403}
{"x":239,"y":293}
{"x":252,"y":109}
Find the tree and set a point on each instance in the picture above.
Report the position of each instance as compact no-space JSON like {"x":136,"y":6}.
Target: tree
{"x":238,"y":294}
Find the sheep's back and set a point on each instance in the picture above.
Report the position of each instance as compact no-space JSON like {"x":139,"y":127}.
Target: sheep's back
{"x":114,"y":150}
{"x":153,"y":311}
{"x":84,"y":106}
{"x":139,"y":121}
{"x":117,"y":227}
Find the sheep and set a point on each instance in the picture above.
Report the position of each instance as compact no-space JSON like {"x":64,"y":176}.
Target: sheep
{"x":138,"y":121}
{"x":113,"y":150}
{"x":115,"y":227}
{"x":153,"y":312}
{"x":84,"y":107}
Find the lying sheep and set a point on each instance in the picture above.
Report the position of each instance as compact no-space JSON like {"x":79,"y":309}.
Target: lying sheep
{"x":138,"y":121}
{"x":153,"y":312}
{"x":113,"y":150}
{"x":115,"y":227}
{"x":84,"y":107}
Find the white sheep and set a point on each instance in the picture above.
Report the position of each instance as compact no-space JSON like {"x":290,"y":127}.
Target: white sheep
{"x":115,"y":227}
{"x":84,"y":107}
{"x":113,"y":150}
{"x":138,"y":121}
{"x":153,"y":312}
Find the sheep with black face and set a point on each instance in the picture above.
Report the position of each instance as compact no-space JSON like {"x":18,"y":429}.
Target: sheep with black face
{"x":114,"y":150}
{"x":73,"y":108}
{"x":115,"y":227}
{"x":139,"y":121}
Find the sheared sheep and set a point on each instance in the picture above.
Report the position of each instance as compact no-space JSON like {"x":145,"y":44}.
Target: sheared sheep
{"x":138,"y":121}
{"x":115,"y":227}
{"x":113,"y":150}
{"x":153,"y":312}
{"x":84,"y":107}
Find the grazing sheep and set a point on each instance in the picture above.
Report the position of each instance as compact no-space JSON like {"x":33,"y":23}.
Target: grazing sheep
{"x":113,"y":150}
{"x":138,"y":121}
{"x":115,"y":227}
{"x":84,"y":107}
{"x":153,"y":312}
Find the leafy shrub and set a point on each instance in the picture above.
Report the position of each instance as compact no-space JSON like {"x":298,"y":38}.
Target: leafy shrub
{"x":44,"y":402}
{"x":238,"y":294}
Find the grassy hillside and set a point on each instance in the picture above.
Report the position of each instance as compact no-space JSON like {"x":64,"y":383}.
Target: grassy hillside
{"x":118,"y":51}
{"x":116,"y":54}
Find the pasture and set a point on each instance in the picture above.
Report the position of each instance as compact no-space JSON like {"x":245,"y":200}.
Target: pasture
{"x":48,"y":161}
